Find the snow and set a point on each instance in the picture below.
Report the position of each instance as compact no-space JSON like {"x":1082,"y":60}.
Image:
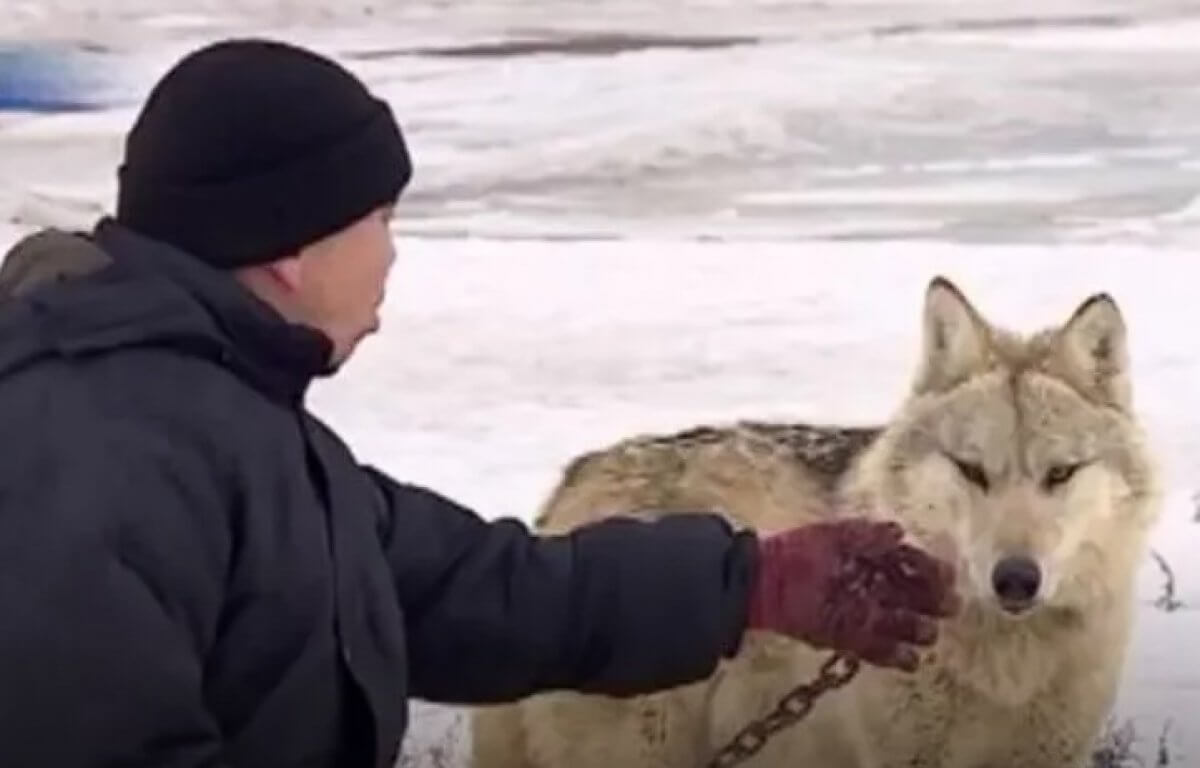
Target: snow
{"x":601,"y":245}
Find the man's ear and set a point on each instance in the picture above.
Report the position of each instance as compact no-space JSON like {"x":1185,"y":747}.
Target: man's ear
{"x":283,"y":274}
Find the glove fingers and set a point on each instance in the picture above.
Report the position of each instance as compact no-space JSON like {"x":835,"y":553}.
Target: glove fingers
{"x":921,"y":582}
{"x":883,"y":637}
{"x":906,"y":627}
{"x":929,"y":579}
{"x":891,"y":655}
{"x":864,"y":537}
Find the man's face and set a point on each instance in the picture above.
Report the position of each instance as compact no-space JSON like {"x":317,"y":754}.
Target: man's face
{"x":342,"y":281}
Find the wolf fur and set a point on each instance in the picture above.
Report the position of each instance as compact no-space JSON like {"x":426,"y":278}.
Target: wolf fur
{"x":1006,"y":446}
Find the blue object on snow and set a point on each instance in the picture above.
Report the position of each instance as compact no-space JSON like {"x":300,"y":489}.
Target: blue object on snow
{"x":56,"y":78}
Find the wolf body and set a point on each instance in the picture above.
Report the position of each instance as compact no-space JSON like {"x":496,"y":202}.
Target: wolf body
{"x":1019,"y":458}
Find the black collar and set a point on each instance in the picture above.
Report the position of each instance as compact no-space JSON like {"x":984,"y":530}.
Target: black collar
{"x":259,"y":343}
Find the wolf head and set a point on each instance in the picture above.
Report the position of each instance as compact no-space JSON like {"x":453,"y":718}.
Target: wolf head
{"x":1020,"y":457}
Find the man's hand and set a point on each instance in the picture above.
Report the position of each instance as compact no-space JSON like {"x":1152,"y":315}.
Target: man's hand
{"x":853,"y":586}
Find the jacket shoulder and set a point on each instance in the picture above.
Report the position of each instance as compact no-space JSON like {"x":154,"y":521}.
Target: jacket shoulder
{"x":45,"y":257}
{"x":156,"y":398}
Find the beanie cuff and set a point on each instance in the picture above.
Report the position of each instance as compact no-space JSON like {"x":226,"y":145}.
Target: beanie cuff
{"x":255,"y":219}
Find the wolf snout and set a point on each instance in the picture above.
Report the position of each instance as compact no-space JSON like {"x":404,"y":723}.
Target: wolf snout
{"x":1016,"y":581}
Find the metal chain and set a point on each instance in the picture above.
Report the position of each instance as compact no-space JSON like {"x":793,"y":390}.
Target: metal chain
{"x":790,"y":710}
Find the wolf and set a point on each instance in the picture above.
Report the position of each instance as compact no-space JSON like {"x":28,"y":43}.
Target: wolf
{"x":1019,"y":458}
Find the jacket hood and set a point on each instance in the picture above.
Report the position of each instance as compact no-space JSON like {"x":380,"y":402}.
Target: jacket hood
{"x":127,"y":290}
{"x":47,"y":257}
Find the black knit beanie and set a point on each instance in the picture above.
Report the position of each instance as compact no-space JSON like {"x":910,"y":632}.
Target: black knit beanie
{"x":246,"y":150}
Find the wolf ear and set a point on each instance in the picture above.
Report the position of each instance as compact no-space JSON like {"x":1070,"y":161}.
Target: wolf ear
{"x":956,"y":338}
{"x":1092,"y":347}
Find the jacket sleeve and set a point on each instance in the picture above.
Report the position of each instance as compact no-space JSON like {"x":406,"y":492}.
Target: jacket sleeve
{"x":101,"y":574}
{"x":619,"y":607}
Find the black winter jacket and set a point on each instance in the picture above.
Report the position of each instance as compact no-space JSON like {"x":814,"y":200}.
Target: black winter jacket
{"x":195,"y":571}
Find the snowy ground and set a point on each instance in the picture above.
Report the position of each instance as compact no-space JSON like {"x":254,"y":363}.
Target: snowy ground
{"x":603,"y":244}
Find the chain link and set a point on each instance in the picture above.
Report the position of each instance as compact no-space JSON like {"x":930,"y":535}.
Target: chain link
{"x":790,"y":710}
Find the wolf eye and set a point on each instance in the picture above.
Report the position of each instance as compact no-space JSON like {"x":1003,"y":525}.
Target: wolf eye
{"x":973,"y":472}
{"x":1059,"y":474}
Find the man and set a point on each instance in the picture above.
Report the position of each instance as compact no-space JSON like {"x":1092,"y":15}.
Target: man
{"x":195,"y":571}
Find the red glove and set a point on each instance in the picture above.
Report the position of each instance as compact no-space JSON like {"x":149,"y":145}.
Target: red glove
{"x":852,"y":586}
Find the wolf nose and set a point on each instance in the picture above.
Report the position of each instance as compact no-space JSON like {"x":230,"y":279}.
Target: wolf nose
{"x":1016,"y":581}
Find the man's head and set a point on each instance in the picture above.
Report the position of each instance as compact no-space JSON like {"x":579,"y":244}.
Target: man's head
{"x":335,"y":284}
{"x":277,"y":165}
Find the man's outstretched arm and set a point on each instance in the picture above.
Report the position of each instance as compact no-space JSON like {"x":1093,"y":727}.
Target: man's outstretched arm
{"x":621,"y":607}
